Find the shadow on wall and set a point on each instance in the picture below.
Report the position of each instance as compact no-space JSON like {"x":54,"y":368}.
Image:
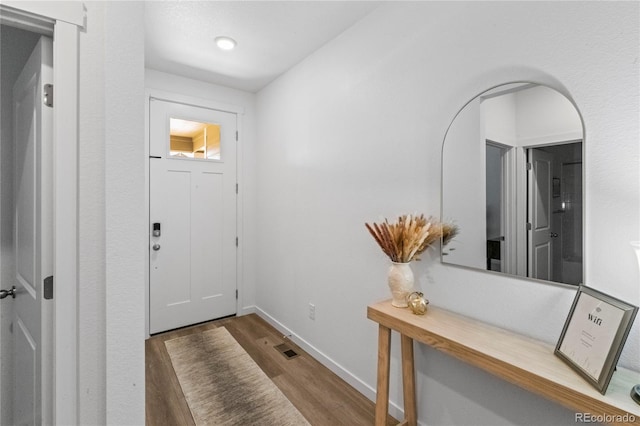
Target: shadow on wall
{"x":462,"y":398}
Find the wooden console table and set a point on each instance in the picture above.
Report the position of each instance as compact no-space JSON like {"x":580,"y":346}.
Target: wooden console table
{"x":523,"y":361}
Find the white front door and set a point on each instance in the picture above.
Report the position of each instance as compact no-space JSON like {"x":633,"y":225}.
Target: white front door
{"x":192,"y":215}
{"x":32,"y":324}
{"x":540,"y":247}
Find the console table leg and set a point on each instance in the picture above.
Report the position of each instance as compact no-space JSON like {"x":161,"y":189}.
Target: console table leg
{"x":382,"y":391}
{"x":408,"y":381}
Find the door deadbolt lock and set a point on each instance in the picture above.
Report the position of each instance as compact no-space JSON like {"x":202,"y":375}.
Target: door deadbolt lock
{"x":156,"y":247}
{"x":156,"y":229}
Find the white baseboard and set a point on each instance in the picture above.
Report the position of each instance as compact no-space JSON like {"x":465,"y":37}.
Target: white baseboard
{"x":246,"y":310}
{"x":336,"y":368}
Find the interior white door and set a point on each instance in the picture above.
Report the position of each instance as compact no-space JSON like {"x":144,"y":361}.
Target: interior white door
{"x":192,"y":203}
{"x":540,"y":246}
{"x":32,"y":323}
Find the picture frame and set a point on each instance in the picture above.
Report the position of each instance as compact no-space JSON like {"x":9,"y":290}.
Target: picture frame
{"x":594,"y":334}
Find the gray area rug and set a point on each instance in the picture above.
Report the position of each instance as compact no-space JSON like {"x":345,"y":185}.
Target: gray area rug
{"x":224,"y":386}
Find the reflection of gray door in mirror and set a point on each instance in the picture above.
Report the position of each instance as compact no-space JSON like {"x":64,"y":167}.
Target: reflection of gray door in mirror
{"x":490,"y":191}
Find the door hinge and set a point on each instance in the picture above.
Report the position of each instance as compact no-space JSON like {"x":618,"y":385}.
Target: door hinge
{"x":236,"y":136}
{"x":48,"y":95}
{"x":47,"y":288}
{"x":236,"y":294}
{"x":236,"y":241}
{"x":528,"y":226}
{"x":236,"y":188}
{"x":529,"y":167}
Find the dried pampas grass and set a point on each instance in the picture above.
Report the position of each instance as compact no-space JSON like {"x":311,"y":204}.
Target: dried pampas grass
{"x":409,"y":236}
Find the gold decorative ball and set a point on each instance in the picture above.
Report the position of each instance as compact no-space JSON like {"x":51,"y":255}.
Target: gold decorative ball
{"x":417,"y":303}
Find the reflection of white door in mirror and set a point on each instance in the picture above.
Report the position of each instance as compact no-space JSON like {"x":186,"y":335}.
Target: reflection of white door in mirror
{"x":485,"y":186}
{"x":555,"y":215}
{"x":541,"y":249}
{"x":496,"y":202}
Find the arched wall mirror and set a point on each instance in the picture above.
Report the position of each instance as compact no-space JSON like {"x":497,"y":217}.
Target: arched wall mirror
{"x":512,"y":181}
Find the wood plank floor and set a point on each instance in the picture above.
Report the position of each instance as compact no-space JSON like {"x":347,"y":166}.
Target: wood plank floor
{"x":321,"y":396}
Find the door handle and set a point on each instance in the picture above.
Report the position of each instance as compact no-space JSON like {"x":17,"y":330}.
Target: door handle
{"x":156,"y":247}
{"x":6,"y":293}
{"x":553,"y":234}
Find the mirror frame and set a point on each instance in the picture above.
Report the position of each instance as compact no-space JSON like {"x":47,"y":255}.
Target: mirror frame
{"x":584,"y":182}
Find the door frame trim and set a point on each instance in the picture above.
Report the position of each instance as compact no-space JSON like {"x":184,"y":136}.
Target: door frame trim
{"x":64,"y":24}
{"x":34,"y":13}
{"x":209,"y":104}
{"x":65,"y":136}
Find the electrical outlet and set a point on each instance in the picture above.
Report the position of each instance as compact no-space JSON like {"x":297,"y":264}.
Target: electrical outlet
{"x":312,"y":311}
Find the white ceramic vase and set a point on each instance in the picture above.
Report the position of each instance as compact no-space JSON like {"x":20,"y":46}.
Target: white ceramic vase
{"x":401,"y":283}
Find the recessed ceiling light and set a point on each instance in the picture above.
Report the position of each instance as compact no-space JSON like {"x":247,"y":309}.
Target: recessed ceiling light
{"x":225,"y":43}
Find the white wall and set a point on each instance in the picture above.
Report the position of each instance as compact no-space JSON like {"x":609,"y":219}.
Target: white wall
{"x":125,"y":229}
{"x":545,"y":116}
{"x":464,"y":187}
{"x":354,"y":133}
{"x":111,"y":216}
{"x":499,"y":114}
{"x":91,"y":229}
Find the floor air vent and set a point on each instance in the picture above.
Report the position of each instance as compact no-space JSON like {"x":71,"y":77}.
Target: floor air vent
{"x":286,"y":351}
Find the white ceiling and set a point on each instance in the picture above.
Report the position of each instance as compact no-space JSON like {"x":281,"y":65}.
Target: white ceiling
{"x":272,"y":36}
